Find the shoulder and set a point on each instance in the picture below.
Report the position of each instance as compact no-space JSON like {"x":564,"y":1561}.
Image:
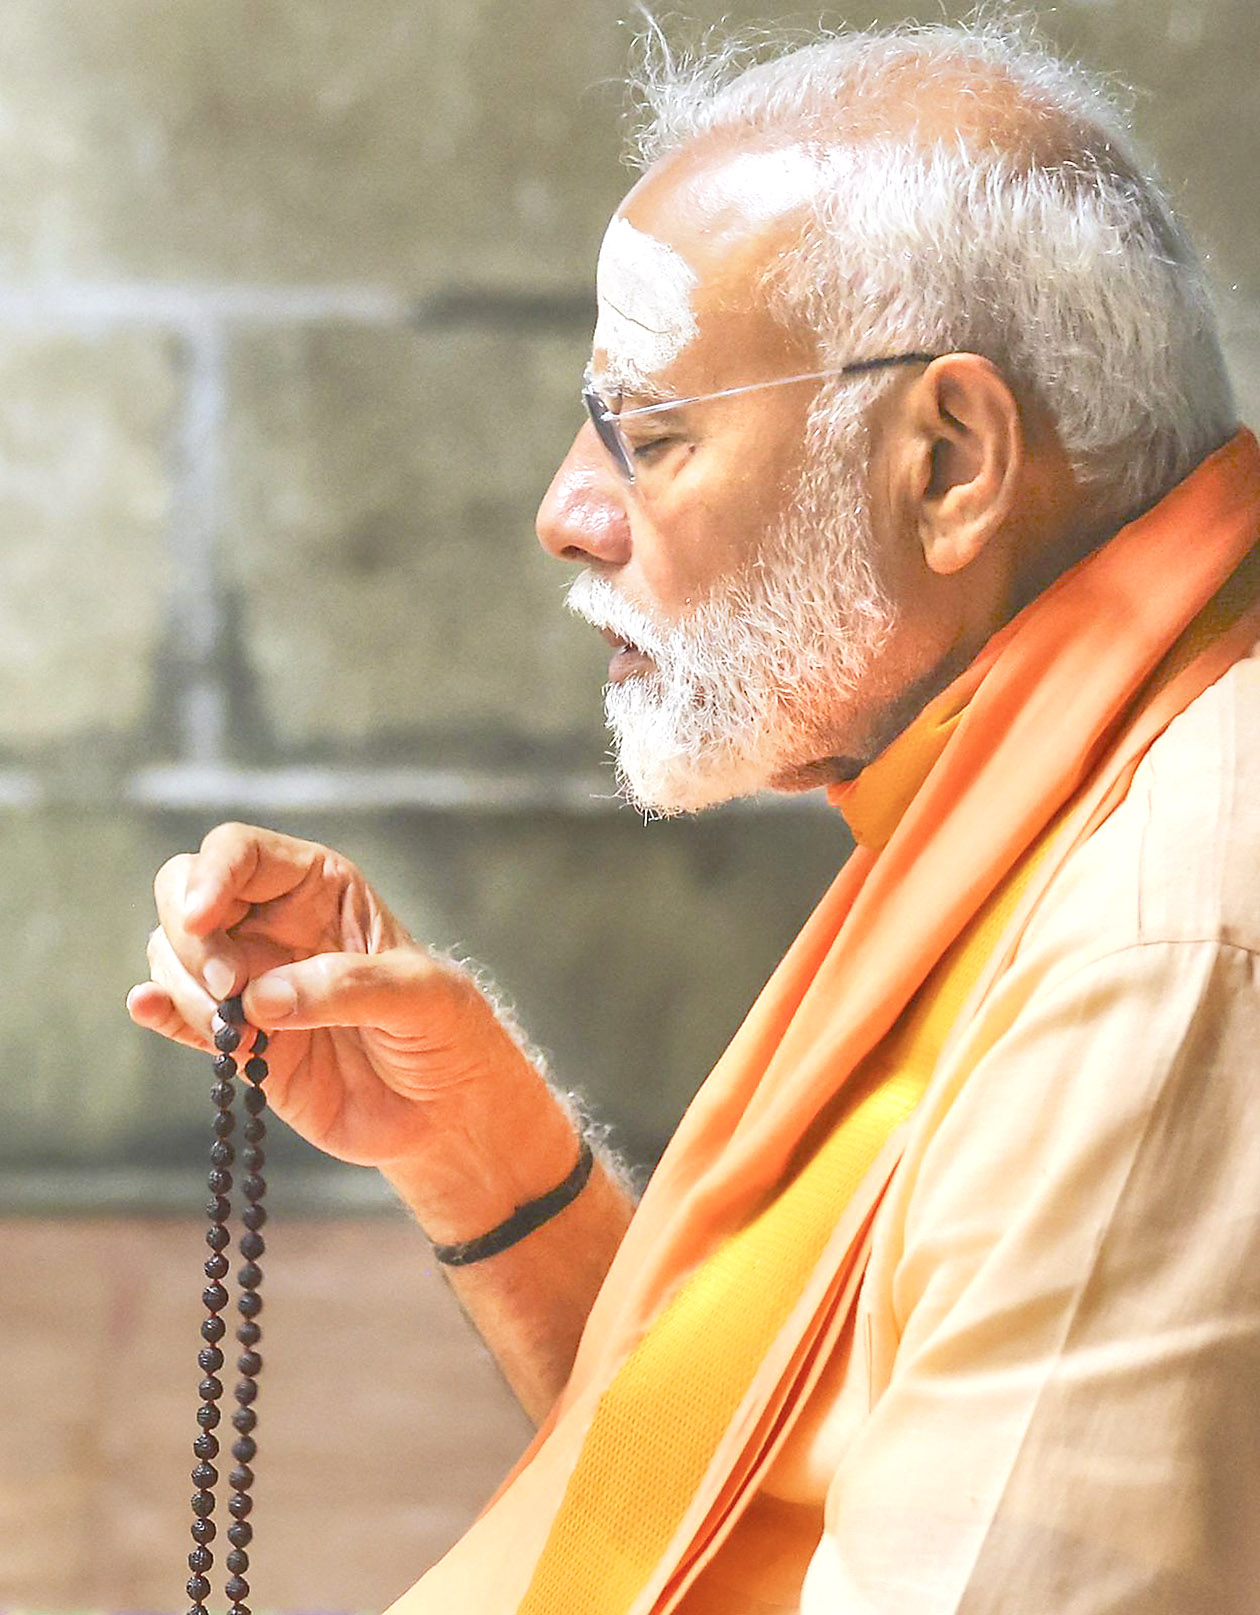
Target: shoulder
{"x":1135,"y":990}
{"x":1179,"y":859}
{"x":1197,"y":797}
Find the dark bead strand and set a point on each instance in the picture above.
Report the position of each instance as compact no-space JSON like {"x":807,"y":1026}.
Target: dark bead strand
{"x":249,"y":1303}
{"x":248,"y":1278}
{"x":210,"y":1359}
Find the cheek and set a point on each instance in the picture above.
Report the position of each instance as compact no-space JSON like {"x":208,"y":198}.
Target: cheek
{"x":759,"y":466}
{"x":706,"y":526}
{"x":679,"y":565}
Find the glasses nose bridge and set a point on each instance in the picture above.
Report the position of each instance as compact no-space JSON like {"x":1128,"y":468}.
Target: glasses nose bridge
{"x":608,"y":430}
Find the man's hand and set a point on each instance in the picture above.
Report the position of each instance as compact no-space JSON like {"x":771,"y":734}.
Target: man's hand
{"x":383,"y":1053}
{"x":371,"y":1035}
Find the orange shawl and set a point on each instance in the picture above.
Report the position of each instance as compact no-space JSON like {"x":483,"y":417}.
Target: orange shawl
{"x":1055,"y":714}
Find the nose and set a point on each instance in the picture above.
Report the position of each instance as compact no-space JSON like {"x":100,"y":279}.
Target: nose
{"x":583,"y":516}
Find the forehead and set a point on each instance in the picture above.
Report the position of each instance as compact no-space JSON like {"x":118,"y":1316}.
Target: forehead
{"x":728,"y":201}
{"x":644,"y":289}
{"x":682,"y":262}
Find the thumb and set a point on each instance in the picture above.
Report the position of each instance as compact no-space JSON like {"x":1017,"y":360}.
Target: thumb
{"x":397,"y":990}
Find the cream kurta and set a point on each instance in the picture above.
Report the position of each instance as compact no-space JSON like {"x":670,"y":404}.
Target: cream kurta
{"x":1050,"y":1400}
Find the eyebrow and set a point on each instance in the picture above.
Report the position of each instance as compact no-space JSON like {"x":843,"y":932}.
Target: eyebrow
{"x":616,"y":379}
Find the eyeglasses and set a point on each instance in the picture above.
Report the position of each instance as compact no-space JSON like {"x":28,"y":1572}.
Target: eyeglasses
{"x":607,"y":421}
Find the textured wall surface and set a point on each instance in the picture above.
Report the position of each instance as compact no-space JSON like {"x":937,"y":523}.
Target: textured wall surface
{"x":294,"y":297}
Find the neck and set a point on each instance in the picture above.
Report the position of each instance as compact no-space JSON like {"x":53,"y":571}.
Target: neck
{"x":837,"y":767}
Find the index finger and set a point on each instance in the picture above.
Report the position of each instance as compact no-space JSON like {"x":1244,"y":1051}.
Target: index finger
{"x":239,"y":866}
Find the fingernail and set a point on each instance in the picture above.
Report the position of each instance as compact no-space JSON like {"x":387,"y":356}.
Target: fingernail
{"x":219,"y":978}
{"x":271,"y":998}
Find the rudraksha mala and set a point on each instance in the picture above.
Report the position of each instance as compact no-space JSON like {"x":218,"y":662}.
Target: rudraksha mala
{"x":227,"y":1026}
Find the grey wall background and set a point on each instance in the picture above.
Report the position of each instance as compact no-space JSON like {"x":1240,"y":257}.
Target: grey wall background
{"x":294,"y":296}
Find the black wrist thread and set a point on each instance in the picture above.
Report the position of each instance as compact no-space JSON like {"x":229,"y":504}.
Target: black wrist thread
{"x":523,"y":1221}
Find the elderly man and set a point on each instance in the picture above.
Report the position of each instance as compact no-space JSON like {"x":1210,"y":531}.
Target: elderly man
{"x":911,"y":471}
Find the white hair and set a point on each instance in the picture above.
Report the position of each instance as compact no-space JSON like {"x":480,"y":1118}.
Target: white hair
{"x":1055,"y":255}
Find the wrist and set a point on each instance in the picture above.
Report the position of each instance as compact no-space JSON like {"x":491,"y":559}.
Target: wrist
{"x":496,"y":1143}
{"x":526,"y":1219}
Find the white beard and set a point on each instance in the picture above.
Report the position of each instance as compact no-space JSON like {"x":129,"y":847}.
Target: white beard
{"x":758,"y":681}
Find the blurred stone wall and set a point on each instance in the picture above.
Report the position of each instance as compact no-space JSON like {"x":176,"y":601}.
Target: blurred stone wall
{"x":294,"y":296}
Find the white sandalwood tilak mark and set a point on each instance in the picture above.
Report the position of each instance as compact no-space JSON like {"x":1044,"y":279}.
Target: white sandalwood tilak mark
{"x":644,"y":291}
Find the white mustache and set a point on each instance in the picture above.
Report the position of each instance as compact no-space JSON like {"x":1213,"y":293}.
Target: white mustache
{"x":596,"y":601}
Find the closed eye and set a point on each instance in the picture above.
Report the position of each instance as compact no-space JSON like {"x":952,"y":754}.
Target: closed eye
{"x":649,"y":448}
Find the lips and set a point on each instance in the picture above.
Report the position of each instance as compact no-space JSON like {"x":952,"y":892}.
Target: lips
{"x":627,"y":659}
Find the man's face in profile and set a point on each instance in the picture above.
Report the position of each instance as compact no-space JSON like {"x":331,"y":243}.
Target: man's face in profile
{"x":733,"y":576}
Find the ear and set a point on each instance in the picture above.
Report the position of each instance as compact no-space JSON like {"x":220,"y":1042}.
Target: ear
{"x":966,"y":453}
